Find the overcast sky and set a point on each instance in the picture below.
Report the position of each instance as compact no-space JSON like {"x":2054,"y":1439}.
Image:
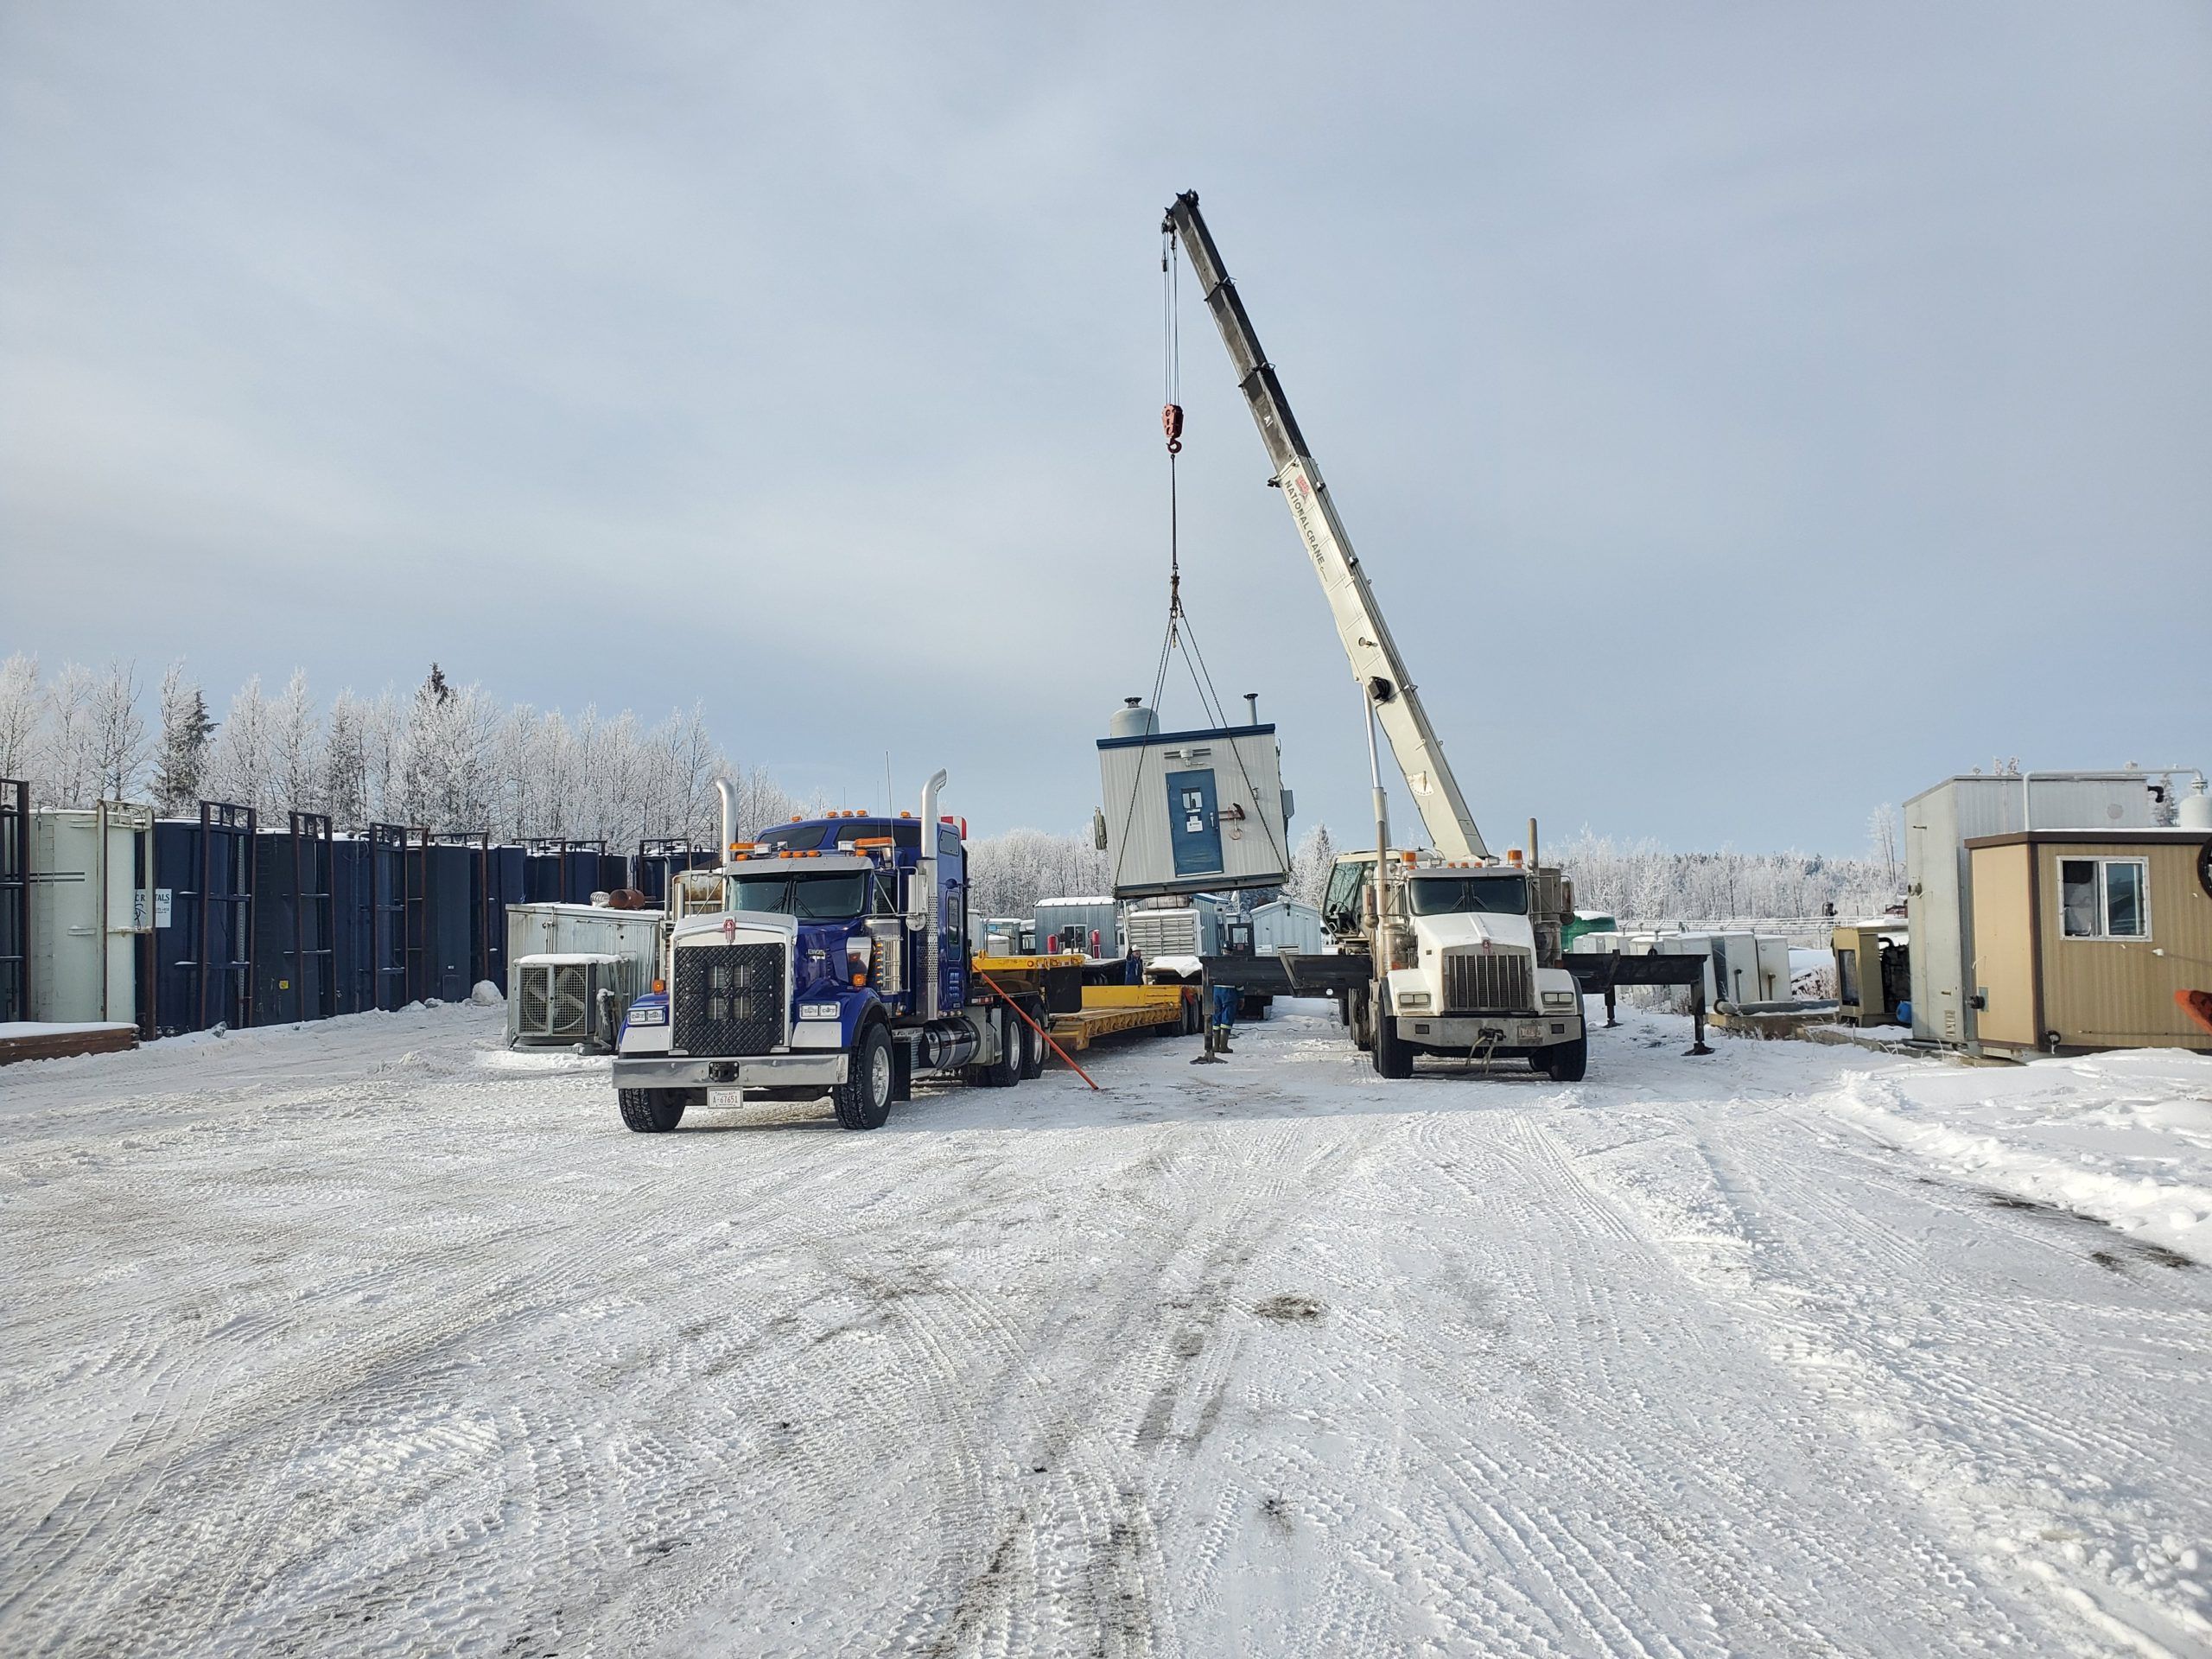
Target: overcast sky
{"x":1747,"y":413}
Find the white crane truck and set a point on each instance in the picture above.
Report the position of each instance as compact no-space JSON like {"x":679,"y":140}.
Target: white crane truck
{"x":1463,"y":952}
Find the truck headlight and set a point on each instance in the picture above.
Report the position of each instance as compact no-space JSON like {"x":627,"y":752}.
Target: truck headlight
{"x":1559,"y":999}
{"x":647,"y":1017}
{"x":817,"y":1010}
{"x":1413,"y":998}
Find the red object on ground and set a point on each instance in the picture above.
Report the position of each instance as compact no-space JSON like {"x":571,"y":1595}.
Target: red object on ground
{"x":1040,"y":1031}
{"x":2198,"y":1005}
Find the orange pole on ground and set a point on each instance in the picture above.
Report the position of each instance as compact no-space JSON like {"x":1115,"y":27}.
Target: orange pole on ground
{"x":1039,"y":1029}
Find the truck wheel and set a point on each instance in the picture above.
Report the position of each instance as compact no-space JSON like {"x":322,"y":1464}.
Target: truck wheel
{"x":653,"y":1111}
{"x":1567,"y":1062}
{"x":1394,"y":1056}
{"x":1006,"y":1071}
{"x":863,"y":1100}
{"x":1033,"y":1048}
{"x":1357,"y":1016}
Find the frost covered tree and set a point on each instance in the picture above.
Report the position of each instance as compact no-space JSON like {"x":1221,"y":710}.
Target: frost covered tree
{"x":760,"y":803}
{"x":442,"y":773}
{"x":68,"y":764}
{"x":118,"y":733}
{"x":343,"y":790}
{"x":382,"y":743}
{"x":238,"y":761}
{"x":1008,"y":873}
{"x":1882,"y":840}
{"x":1641,"y":882}
{"x":1311,"y":861}
{"x":296,"y":749}
{"x":22,"y":712}
{"x":182,"y":760}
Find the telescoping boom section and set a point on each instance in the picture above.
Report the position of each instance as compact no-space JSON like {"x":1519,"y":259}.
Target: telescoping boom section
{"x":1373,"y":654}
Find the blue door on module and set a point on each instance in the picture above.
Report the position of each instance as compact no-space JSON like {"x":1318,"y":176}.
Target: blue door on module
{"x":1193,"y":830}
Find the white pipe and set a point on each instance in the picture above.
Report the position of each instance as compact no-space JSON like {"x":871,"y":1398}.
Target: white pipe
{"x":922,"y":899}
{"x":729,"y":817}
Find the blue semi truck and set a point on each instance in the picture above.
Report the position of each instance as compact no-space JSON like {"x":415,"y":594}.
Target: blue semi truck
{"x":830,"y":955}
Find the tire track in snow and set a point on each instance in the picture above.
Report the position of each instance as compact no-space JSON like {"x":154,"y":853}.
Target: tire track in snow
{"x":1812,"y":1269}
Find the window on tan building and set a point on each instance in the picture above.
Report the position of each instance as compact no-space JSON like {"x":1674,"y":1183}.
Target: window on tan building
{"x":2104,"y":898}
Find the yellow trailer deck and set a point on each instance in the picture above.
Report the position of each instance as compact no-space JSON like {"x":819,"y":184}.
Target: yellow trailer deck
{"x":1110,"y":1009}
{"x":1105,"y":1010}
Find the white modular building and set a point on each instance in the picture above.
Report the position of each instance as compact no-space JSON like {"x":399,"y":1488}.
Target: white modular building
{"x":1939,"y":889}
{"x":1192,"y":811}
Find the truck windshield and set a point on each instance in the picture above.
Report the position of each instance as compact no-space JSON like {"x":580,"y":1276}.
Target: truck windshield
{"x":829,"y":896}
{"x":1486,"y":895}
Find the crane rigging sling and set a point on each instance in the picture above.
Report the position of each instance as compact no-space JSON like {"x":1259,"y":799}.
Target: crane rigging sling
{"x":1179,"y":633}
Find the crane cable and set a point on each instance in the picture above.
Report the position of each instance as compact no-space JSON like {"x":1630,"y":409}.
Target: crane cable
{"x":1179,"y":631}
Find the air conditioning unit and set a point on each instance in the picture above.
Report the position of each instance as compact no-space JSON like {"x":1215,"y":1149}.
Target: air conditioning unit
{"x":553,"y":1000}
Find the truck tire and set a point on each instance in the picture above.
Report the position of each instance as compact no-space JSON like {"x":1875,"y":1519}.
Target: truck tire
{"x":1567,"y":1062}
{"x":1032,"y":1047}
{"x":1006,"y":1071}
{"x":1394,"y":1056}
{"x":653,"y":1111}
{"x":1357,"y":1015}
{"x":863,"y":1100}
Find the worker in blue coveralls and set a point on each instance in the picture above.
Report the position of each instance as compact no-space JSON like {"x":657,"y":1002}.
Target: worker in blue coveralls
{"x":1224,"y":1016}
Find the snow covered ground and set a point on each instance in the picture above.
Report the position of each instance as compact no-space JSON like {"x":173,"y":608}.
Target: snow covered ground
{"x":372,"y":1338}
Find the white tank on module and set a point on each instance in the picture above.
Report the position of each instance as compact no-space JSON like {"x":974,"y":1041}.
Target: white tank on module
{"x":1191,"y":811}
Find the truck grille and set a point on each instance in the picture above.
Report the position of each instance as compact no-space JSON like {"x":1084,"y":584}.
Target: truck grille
{"x":1500,"y":982}
{"x":729,"y":998}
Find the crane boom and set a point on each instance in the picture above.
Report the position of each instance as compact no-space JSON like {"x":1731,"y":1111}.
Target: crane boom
{"x":1366,"y":637}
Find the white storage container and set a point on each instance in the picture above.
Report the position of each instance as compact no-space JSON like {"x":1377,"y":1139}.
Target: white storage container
{"x":1199,"y":811}
{"x":1088,"y":917}
{"x":91,"y":910}
{"x":1287,"y":924}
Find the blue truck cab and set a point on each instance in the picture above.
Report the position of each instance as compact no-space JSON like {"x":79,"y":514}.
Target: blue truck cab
{"x":837,"y":964}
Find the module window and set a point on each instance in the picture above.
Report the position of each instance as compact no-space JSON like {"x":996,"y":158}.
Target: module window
{"x":2104,"y":898}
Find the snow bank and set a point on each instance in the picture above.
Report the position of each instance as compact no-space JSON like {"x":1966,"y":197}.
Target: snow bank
{"x":2125,"y":1136}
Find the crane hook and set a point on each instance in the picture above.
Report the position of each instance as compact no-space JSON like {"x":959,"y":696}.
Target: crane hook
{"x":1170,"y":422}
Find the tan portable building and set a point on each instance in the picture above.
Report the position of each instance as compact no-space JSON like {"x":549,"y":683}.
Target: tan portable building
{"x":2082,"y":937}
